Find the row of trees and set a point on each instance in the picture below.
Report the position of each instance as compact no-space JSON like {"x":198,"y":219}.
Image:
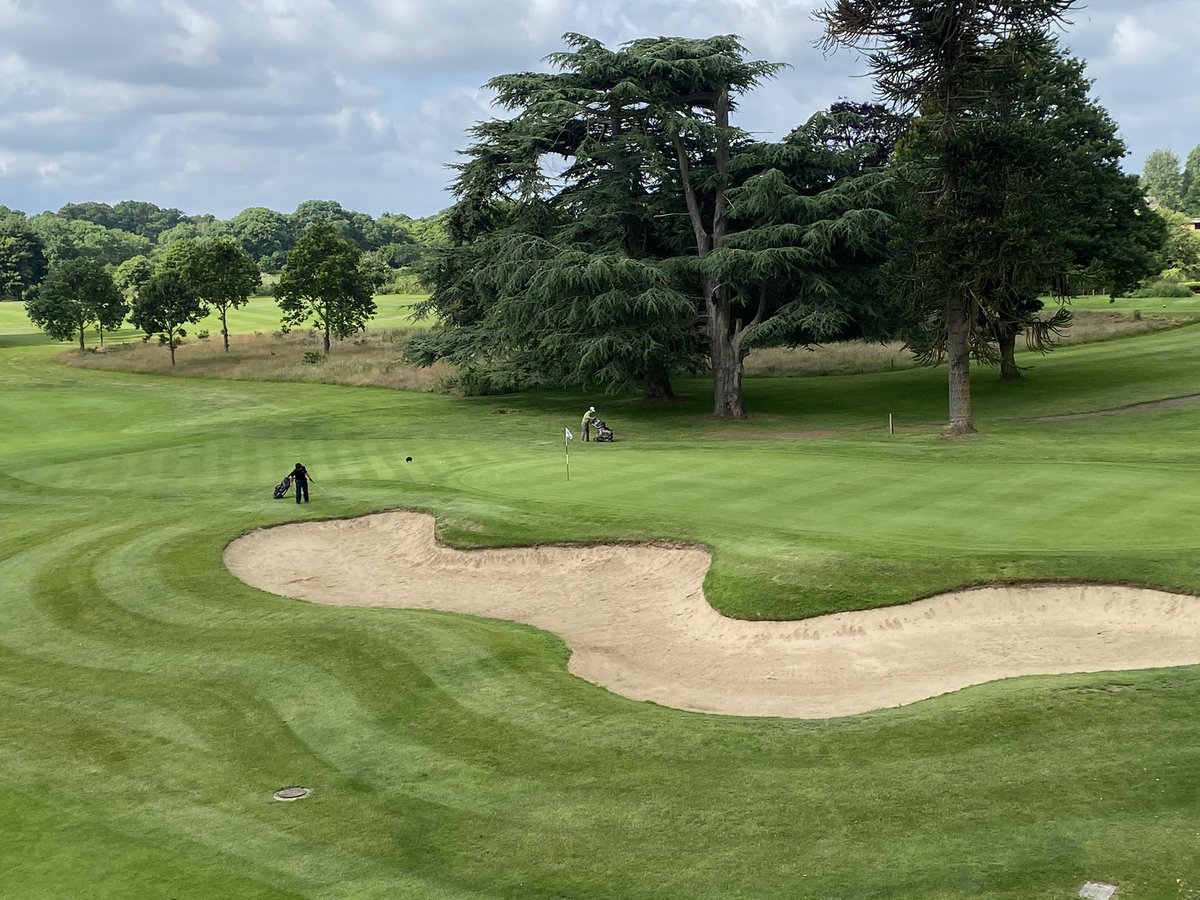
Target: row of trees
{"x":616,"y":226}
{"x":132,"y":230}
{"x":324,"y":282}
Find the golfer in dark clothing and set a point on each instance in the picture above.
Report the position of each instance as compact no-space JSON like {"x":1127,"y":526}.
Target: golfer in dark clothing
{"x":299,"y":476}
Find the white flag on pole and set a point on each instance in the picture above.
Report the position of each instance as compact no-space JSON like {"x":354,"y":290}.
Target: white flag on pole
{"x":567,"y":434}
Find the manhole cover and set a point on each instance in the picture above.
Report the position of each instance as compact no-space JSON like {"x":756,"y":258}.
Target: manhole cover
{"x":291,"y":793}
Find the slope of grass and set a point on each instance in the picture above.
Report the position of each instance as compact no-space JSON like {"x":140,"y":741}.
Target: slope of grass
{"x":150,"y":703}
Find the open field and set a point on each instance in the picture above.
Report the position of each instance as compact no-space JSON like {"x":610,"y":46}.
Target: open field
{"x":150,"y":702}
{"x":259,"y":315}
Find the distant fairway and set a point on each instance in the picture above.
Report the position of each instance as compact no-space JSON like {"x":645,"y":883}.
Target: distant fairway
{"x":150,"y":702}
{"x":259,"y":314}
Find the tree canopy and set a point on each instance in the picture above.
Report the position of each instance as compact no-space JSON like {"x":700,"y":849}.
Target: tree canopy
{"x":1045,"y":205}
{"x":589,"y":233}
{"x":1162,"y":178}
{"x":222,"y":275}
{"x":1190,"y":184}
{"x":75,"y":295}
{"x":322,"y":282}
{"x":934,"y":58}
{"x":23,"y":262}
{"x":164,"y":307}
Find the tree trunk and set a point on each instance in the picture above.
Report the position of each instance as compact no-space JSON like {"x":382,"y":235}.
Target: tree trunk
{"x":171,"y":344}
{"x":327,"y":337}
{"x":224,"y":329}
{"x":81,"y":331}
{"x":1006,"y":338}
{"x":725,"y":357}
{"x":958,"y":351}
{"x":658,"y":385}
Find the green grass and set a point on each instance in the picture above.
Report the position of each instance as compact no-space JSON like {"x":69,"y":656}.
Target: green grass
{"x":260,"y":314}
{"x":150,"y":703}
{"x":1157,"y":305}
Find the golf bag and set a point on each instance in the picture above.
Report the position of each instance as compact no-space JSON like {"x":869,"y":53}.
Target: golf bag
{"x":604,"y":434}
{"x":281,"y":489}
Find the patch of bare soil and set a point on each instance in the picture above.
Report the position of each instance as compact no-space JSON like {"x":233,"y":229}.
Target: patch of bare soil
{"x":638,"y":624}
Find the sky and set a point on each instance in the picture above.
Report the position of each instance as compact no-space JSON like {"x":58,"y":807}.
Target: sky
{"x":213,"y":106}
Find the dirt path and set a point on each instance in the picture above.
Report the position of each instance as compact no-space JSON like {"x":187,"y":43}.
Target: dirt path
{"x":638,"y":624}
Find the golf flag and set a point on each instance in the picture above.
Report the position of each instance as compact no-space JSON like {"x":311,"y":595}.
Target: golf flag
{"x":567,"y":434}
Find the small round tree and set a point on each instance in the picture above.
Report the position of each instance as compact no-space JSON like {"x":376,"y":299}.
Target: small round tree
{"x":164,"y":305}
{"x":222,"y":275}
{"x":323,"y":282}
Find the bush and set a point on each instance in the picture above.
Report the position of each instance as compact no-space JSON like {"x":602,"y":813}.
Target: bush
{"x":311,"y":357}
{"x":1163,"y":287}
{"x":404,"y":281}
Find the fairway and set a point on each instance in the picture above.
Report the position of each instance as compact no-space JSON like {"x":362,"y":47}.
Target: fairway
{"x":151,"y":702}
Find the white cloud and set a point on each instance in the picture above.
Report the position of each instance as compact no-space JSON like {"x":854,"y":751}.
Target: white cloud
{"x":214,"y":107}
{"x":1136,"y":45}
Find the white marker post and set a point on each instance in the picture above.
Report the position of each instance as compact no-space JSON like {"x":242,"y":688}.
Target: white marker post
{"x":567,"y":436}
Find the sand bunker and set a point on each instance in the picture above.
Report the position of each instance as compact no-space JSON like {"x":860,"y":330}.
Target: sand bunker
{"x":638,"y":624}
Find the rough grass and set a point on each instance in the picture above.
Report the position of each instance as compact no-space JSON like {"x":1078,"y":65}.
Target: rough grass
{"x":852,"y":357}
{"x":375,"y":357}
{"x":371,"y":358}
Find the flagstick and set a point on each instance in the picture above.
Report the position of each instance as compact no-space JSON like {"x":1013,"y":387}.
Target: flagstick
{"x":567,"y":454}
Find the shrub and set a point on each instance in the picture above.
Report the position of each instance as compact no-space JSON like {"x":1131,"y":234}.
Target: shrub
{"x":1162,"y":287}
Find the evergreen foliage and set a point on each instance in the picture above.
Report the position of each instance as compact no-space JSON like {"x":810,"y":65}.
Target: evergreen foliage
{"x":1045,"y":208}
{"x":936,"y":59}
{"x":582,"y":235}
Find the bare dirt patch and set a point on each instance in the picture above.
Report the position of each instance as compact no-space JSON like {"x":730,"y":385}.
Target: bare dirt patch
{"x":638,"y":624}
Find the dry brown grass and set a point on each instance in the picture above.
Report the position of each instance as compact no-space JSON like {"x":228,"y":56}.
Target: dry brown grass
{"x":852,"y":357}
{"x":376,"y":357}
{"x":372,"y":358}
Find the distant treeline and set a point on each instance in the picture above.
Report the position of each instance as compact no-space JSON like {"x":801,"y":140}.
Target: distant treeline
{"x":111,"y":235}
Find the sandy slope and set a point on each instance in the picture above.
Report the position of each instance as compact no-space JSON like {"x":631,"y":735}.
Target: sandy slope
{"x":638,"y":624}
